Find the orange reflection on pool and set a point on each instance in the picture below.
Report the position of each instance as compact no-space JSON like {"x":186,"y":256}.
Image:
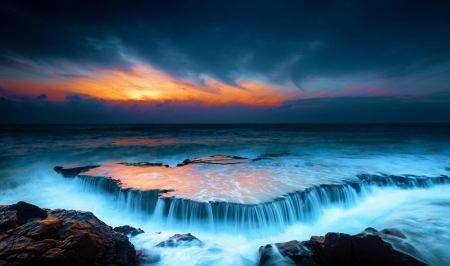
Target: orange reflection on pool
{"x":239,"y":183}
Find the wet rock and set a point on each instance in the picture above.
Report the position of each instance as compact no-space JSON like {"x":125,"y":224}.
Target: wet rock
{"x":180,"y":240}
{"x":403,"y":181}
{"x":128,"y":230}
{"x":365,"y":248}
{"x":298,"y":252}
{"x":334,"y":247}
{"x":392,"y":232}
{"x":269,"y":156}
{"x":12,"y":216}
{"x":72,"y":171}
{"x":215,"y":159}
{"x":28,"y":211}
{"x":30,"y":235}
{"x":144,"y":164}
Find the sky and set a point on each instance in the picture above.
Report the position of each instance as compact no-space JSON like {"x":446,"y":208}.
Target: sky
{"x":224,"y":61}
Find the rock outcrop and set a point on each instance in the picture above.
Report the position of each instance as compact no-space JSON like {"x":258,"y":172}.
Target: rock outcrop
{"x":144,"y":164}
{"x":180,"y":240}
{"x":215,"y":159}
{"x":365,"y":248}
{"x":73,"y":171}
{"x":30,"y":235}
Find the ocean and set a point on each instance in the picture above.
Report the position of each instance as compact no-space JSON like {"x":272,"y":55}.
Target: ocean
{"x":299,"y":180}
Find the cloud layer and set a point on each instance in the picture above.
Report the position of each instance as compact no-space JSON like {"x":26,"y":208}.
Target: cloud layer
{"x":224,"y":53}
{"x":25,"y":109}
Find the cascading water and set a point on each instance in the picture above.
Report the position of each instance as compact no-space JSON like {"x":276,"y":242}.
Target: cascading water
{"x":302,"y":206}
{"x":300,"y":180}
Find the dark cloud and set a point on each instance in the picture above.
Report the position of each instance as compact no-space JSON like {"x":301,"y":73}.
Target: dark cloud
{"x":80,"y":109}
{"x":165,"y":103}
{"x":16,"y":64}
{"x":78,"y":102}
{"x":67,"y":75}
{"x":43,"y":96}
{"x":283,"y":41}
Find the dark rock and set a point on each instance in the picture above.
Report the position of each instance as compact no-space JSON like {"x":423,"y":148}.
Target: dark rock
{"x":365,"y":248}
{"x":392,"y":232}
{"x":12,"y":216}
{"x":215,"y":159}
{"x":28,"y":211}
{"x":333,"y":247}
{"x":128,"y":230}
{"x":298,"y":252}
{"x":72,"y":171}
{"x":269,"y":156}
{"x":9,"y":219}
{"x":144,"y":164}
{"x":180,"y":240}
{"x":59,"y":237}
{"x":403,"y":181}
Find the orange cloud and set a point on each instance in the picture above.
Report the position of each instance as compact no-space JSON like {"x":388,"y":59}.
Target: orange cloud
{"x":146,"y":84}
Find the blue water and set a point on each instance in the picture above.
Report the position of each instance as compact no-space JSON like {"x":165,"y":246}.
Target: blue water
{"x":319,"y":153}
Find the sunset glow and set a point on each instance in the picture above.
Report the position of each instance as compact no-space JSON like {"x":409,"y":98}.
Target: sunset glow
{"x":144,"y":83}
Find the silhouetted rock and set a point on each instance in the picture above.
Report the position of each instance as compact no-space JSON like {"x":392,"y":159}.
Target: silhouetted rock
{"x":144,"y":164}
{"x":269,"y":156}
{"x":30,"y":235}
{"x":365,"y":248}
{"x":12,"y":216}
{"x":298,"y":252}
{"x":72,"y":171}
{"x":215,"y":159}
{"x":128,"y":230}
{"x":28,"y":211}
{"x":180,"y":240}
{"x":392,"y":232}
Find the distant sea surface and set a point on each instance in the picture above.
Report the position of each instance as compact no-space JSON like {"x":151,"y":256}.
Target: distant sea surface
{"x":310,"y":154}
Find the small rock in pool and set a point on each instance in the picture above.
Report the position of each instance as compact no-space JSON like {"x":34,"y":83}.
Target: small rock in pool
{"x":128,"y":230}
{"x":180,"y":240}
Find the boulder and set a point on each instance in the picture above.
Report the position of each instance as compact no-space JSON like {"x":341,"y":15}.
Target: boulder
{"x":128,"y":230}
{"x":30,"y":235}
{"x":365,"y":248}
{"x":180,"y":240}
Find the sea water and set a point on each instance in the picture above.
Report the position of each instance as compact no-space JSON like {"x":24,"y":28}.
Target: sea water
{"x":285,"y":158}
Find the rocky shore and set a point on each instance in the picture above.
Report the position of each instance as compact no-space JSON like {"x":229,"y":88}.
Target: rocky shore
{"x":30,"y":235}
